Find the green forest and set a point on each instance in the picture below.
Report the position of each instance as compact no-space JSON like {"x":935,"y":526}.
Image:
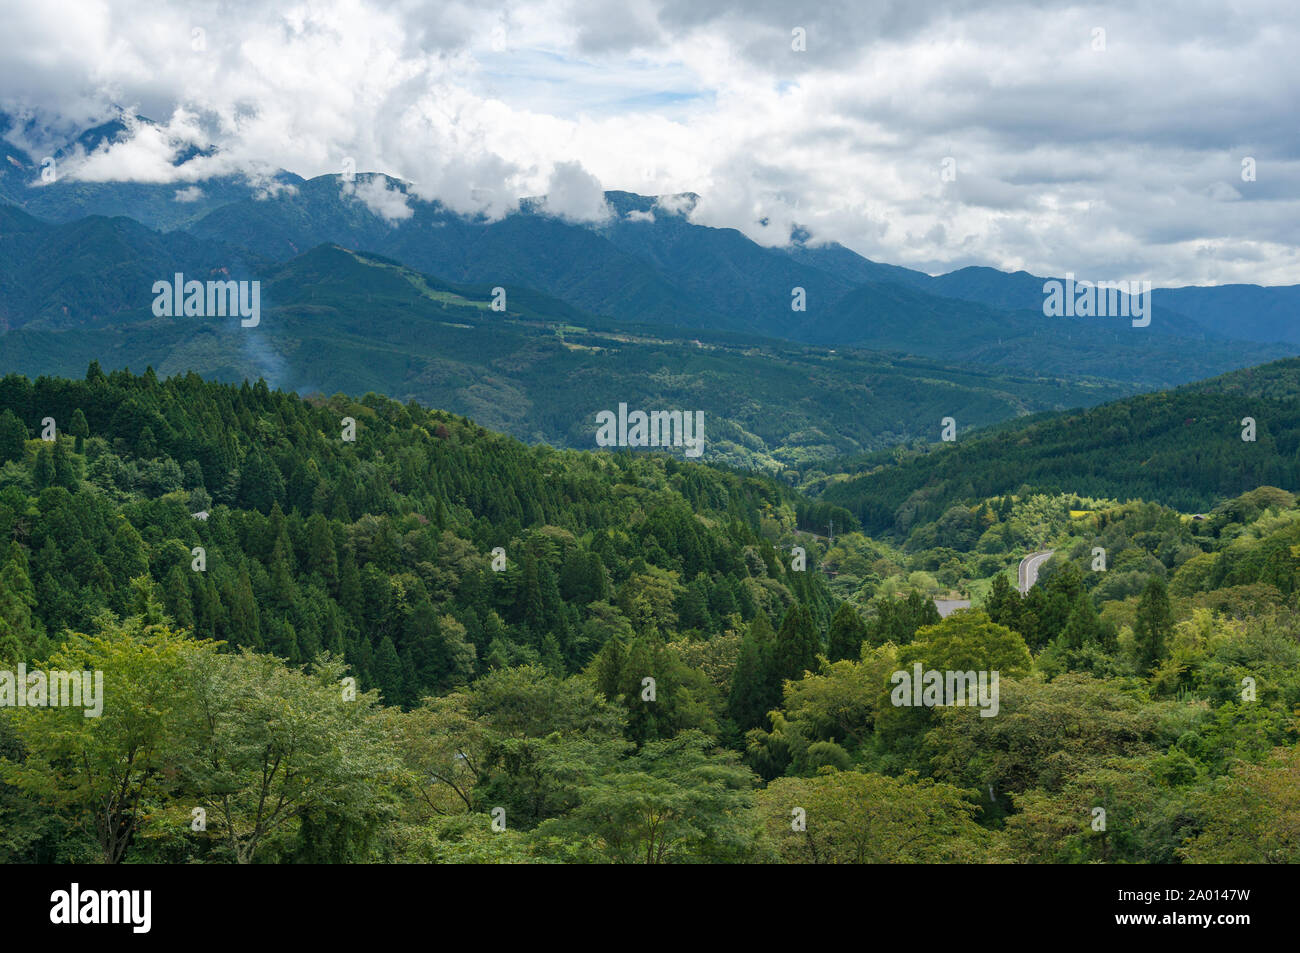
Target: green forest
{"x":1189,"y":448}
{"x":352,"y":322}
{"x":355,"y":630}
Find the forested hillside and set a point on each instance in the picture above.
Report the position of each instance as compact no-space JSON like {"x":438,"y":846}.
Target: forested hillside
{"x":431,"y":643}
{"x":336,"y":320}
{"x":376,"y":549}
{"x":1187,"y":448}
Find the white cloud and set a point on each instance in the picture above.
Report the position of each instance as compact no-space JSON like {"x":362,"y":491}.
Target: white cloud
{"x":681,"y":204}
{"x":1067,"y":158}
{"x":575,"y":194}
{"x":378,"y":194}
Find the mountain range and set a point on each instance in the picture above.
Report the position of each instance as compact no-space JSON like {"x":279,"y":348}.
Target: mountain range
{"x":644,"y":306}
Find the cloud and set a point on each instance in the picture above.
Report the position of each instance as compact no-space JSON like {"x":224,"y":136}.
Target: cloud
{"x":1068,"y":157}
{"x":385,"y":199}
{"x":575,"y":194}
{"x":682,"y":204}
{"x":144,"y":152}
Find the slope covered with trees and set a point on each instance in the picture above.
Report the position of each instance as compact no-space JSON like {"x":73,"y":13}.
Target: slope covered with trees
{"x":379,"y":549}
{"x":431,"y":643}
{"x":336,"y":320}
{"x":1187,"y":448}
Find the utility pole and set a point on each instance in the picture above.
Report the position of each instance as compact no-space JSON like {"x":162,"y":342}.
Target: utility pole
{"x":830,"y":531}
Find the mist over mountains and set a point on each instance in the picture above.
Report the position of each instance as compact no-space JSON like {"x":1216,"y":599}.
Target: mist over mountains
{"x":642,"y":294}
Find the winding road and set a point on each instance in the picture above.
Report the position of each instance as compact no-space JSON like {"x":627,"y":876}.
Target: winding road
{"x":1028,"y":572}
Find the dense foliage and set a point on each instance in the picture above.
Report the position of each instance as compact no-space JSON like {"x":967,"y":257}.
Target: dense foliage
{"x":334,"y":320}
{"x":1186,"y":448}
{"x":434,"y":644}
{"x":379,"y":550}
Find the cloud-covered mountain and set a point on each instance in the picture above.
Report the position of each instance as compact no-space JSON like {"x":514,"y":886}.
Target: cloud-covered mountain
{"x":1114,"y":139}
{"x":74,"y":264}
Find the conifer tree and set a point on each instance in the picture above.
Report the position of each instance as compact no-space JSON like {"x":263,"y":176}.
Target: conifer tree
{"x":17,"y":598}
{"x":43,"y":474}
{"x":177,"y":597}
{"x":1153,"y":624}
{"x":847,"y":633}
{"x":388,"y":672}
{"x":797,"y":645}
{"x":321,"y":557}
{"x":750,"y":698}
{"x":350,"y":595}
{"x":65,"y":474}
{"x":13,"y":437}
{"x":1003,"y":604}
{"x":1083,"y":626}
{"x":243,"y":618}
{"x":79,"y":429}
{"x":147,"y":445}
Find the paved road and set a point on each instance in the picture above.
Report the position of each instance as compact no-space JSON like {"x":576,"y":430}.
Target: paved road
{"x":1029,"y":566}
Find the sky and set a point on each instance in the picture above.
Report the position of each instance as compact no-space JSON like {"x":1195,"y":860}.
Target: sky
{"x":1127,"y":140}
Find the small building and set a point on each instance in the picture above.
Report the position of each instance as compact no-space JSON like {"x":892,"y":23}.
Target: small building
{"x":200,"y":515}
